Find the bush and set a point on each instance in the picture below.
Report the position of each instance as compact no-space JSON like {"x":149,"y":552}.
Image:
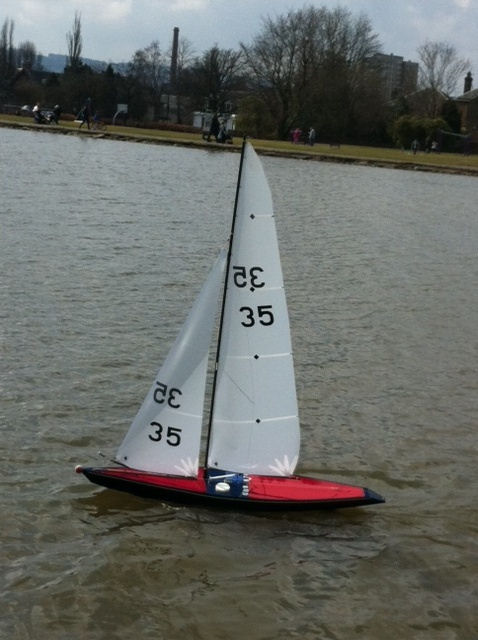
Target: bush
{"x":255,"y":119}
{"x":409,"y":128}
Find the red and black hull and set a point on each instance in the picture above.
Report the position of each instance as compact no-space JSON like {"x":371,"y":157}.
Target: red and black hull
{"x":263,"y":492}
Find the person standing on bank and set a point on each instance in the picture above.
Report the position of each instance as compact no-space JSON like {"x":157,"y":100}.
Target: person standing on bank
{"x":214,"y":129}
{"x":86,"y":114}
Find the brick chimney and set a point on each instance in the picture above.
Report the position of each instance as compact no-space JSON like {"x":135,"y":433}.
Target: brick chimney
{"x":174,"y":58}
{"x":468,"y":82}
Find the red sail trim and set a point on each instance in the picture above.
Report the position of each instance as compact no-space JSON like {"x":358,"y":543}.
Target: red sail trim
{"x":196,"y":485}
{"x":301,"y":489}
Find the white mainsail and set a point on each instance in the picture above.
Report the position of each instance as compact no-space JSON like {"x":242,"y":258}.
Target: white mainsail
{"x":165,"y":435}
{"x":255,"y":424}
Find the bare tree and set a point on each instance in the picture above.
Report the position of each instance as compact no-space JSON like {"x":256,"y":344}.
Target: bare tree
{"x":278,"y":58}
{"x":7,"y":51}
{"x":307,"y":65}
{"x":147,"y":71}
{"x":26,"y":55}
{"x":75,"y":43}
{"x":185,"y":58}
{"x":215,"y":75}
{"x":345,"y":97}
{"x":440,"y":70}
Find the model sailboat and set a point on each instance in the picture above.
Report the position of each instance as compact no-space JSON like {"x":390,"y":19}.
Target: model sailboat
{"x":253,"y":433}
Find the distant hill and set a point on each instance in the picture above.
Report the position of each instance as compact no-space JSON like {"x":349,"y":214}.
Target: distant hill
{"x":56,"y":62}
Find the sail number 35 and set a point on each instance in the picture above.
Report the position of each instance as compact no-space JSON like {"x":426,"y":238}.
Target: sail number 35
{"x":262,"y":314}
{"x":169,"y":395}
{"x":244,"y":277}
{"x":172,"y":435}
{"x":252,"y":277}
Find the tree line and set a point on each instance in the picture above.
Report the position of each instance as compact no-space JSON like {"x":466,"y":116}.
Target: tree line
{"x":312,"y":67}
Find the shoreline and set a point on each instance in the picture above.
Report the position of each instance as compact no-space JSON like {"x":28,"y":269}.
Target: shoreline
{"x":407,"y":165}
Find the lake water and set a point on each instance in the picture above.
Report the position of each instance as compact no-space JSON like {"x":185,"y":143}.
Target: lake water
{"x":103,"y":245}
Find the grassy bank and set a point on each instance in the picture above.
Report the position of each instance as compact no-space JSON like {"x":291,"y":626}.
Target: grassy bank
{"x":384,"y":157}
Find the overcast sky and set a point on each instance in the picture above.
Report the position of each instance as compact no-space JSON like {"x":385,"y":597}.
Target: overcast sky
{"x":114,"y":29}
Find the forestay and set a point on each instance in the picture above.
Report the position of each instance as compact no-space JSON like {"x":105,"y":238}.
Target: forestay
{"x":165,"y":435}
{"x":255,"y":425}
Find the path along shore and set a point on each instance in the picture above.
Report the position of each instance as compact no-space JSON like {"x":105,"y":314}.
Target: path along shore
{"x":264,"y":147}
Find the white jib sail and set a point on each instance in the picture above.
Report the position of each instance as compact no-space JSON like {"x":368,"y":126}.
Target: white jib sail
{"x":255,"y":424}
{"x":165,"y":436}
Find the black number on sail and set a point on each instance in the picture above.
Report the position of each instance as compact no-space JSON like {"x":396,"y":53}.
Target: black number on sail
{"x":173,"y":434}
{"x":161,"y":393}
{"x":243,"y":278}
{"x":158,"y":434}
{"x":262,"y":314}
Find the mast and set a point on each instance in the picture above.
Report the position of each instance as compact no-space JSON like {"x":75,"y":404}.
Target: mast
{"x":223,"y":305}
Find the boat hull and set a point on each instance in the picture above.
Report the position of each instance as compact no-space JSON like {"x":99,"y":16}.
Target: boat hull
{"x":269,"y":493}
